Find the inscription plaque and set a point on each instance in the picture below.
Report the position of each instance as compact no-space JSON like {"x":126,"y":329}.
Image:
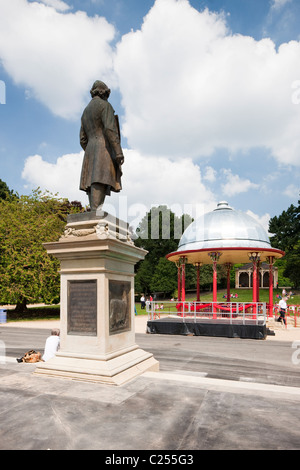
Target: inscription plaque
{"x":82,"y":308}
{"x":119,"y":306}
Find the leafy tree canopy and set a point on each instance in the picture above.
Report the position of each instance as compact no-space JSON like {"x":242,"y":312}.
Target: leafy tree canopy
{"x":28,"y":273}
{"x":159,"y":233}
{"x":286,"y":236}
{"x":5,"y":192}
{"x":286,"y":228}
{"x":164,"y":278}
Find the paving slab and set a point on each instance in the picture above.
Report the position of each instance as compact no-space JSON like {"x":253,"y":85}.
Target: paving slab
{"x":210,"y":393}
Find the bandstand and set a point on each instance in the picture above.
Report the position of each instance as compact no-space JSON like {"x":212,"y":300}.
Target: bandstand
{"x":226,"y":237}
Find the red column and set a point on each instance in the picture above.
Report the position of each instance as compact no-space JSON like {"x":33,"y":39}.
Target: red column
{"x":179,"y":280}
{"x":254,"y":282}
{"x":215,"y":258}
{"x":215,"y":283}
{"x":254,"y":257}
{"x":198,"y":265}
{"x":257,"y":276}
{"x":254,"y":297}
{"x":183,"y":279}
{"x":228,"y":266}
{"x":271,"y":282}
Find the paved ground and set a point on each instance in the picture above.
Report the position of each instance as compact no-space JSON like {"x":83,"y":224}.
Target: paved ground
{"x":210,"y":393}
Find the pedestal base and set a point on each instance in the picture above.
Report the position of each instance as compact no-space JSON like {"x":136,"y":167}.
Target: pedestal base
{"x":115,"y":370}
{"x":97,"y":259}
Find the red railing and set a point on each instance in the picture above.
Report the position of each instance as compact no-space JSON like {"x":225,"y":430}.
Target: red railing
{"x":293,"y":313}
{"x":197,"y":311}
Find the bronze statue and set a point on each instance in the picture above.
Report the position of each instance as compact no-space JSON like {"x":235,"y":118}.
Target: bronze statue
{"x":100,"y":139}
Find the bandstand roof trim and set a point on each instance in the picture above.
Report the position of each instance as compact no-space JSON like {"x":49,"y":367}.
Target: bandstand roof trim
{"x":225,"y":230}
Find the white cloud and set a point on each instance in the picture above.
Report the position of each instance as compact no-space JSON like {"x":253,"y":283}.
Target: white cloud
{"x":203,"y":88}
{"x":184,"y":95}
{"x":262,"y":220}
{"x":61,"y":177}
{"x":57,"y":4}
{"x":235,"y":184}
{"x":278,"y":4}
{"x":146,"y":181}
{"x":292,"y":191}
{"x":56,"y":55}
{"x":210,"y":174}
{"x":158,"y":180}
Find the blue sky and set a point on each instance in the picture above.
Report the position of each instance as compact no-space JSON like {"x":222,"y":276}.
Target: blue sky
{"x":207,"y":92}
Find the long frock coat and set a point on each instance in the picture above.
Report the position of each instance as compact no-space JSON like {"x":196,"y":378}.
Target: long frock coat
{"x":100,"y":139}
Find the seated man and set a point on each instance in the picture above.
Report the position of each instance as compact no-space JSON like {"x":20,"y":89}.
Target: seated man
{"x":52,"y":345}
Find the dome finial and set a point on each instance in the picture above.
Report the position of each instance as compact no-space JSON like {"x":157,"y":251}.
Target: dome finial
{"x":223,"y":205}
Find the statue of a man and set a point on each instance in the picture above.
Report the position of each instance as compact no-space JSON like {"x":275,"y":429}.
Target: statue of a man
{"x":100,"y":139}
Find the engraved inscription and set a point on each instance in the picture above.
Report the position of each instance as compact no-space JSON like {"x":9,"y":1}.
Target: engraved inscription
{"x":119,"y":306}
{"x":82,"y":308}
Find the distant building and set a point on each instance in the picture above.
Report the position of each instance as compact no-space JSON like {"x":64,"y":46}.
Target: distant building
{"x":244,"y":276}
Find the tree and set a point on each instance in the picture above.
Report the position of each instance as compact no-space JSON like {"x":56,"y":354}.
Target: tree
{"x":286,"y":236}
{"x":27,"y":273}
{"x":5,"y":192}
{"x":164,"y":278}
{"x":292,"y":267}
{"x":285,"y":228}
{"x":159,"y":233}
{"x":143,"y":276}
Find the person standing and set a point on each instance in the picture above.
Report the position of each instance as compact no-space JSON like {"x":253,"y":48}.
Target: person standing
{"x":282,"y":310}
{"x":142,"y":300}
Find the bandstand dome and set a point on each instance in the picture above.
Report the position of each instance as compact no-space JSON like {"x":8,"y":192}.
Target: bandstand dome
{"x":232,"y":233}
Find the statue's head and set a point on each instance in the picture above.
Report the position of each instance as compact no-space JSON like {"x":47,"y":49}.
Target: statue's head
{"x":100,"y":89}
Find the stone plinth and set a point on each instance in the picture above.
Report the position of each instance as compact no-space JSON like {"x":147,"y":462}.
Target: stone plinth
{"x":97,"y":259}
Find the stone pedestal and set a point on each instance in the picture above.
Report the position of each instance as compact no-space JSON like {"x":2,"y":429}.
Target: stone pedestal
{"x":97,"y":259}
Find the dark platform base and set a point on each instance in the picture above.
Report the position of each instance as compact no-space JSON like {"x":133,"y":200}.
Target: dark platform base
{"x":172,"y":326}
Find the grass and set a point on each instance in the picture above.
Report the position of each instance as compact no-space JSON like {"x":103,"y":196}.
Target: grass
{"x":35,"y":313}
{"x":244,"y":295}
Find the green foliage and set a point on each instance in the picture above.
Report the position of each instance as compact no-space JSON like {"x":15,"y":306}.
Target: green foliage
{"x":28,"y":273}
{"x":143,"y":276}
{"x":206,"y":275}
{"x":292,"y":267}
{"x":164,"y":278}
{"x":286,"y":230}
{"x":159,"y":233}
{"x":5,"y":192}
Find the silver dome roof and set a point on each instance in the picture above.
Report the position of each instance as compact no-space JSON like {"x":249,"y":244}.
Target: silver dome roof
{"x":224,"y":227}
